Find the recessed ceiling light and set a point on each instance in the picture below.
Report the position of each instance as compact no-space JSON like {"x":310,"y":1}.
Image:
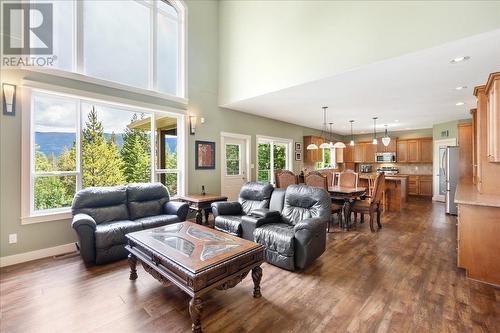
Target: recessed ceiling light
{"x":460,"y":87}
{"x":459,"y":103}
{"x":397,"y":121}
{"x":459,"y":59}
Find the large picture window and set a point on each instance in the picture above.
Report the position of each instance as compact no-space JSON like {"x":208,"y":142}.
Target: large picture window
{"x":272,"y":154}
{"x":138,"y":43}
{"x":78,"y":143}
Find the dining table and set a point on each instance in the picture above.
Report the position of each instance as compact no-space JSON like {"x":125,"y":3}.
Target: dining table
{"x":348,"y":194}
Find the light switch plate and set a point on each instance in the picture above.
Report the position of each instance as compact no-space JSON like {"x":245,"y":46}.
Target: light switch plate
{"x":12,"y":238}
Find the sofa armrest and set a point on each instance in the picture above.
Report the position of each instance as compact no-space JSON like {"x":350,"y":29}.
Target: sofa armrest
{"x":226,"y":208}
{"x":85,"y":226}
{"x":178,"y":208}
{"x":251,"y":222}
{"x":266,"y":213}
{"x":310,"y":241}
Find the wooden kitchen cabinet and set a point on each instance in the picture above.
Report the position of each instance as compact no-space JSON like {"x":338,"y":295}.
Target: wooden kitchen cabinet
{"x":339,"y":155}
{"x":420,"y":185}
{"x":425,"y":150}
{"x":359,"y":152}
{"x":348,"y":154}
{"x":369,"y":153}
{"x":413,"y":151}
{"x":425,"y":185}
{"x":493,"y":117}
{"x":402,"y":151}
{"x":314,"y":155}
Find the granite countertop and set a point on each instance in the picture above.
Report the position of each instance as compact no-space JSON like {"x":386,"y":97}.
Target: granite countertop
{"x":468,"y":194}
{"x":388,"y":177}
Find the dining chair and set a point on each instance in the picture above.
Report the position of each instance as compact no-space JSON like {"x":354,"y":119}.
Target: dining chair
{"x":347,"y":178}
{"x":372,"y":203}
{"x":317,"y":179}
{"x":285,"y":178}
{"x":329,"y":174}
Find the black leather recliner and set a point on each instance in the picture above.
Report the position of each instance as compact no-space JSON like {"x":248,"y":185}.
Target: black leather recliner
{"x":228,"y":215}
{"x":298,"y":236}
{"x":103,"y":215}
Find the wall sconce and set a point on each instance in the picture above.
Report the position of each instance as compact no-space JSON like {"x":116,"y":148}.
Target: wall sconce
{"x":192,"y":124}
{"x":193,"y":121}
{"x":9,"y":99}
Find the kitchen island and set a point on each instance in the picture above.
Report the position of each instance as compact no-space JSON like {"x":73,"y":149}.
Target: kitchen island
{"x":396,"y":189}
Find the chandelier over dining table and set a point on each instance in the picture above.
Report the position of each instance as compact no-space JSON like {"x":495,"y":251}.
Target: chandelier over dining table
{"x":327,"y":144}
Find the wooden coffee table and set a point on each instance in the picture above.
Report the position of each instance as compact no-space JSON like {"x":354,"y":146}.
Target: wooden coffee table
{"x":196,"y":259}
{"x":201,"y":202}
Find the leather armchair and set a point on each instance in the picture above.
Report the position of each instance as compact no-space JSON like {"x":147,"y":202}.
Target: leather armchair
{"x":298,"y":237}
{"x":229,"y":215}
{"x":102,"y":216}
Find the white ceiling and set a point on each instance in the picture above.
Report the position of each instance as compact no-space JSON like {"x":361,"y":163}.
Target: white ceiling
{"x":408,"y":92}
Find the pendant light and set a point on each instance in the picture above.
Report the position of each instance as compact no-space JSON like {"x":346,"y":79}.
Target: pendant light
{"x":352,"y":136}
{"x":324,"y":145}
{"x":386,"y":139}
{"x":374,"y":141}
{"x":313,"y":146}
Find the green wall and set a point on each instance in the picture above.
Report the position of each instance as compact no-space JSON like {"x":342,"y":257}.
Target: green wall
{"x":203,"y":59}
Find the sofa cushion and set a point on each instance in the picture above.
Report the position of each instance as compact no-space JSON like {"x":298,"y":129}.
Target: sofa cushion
{"x":146,"y":199}
{"x":108,"y":234}
{"x":277,"y":237}
{"x":157,"y":221}
{"x":229,"y":223}
{"x":103,"y":204}
{"x":303,"y":202}
{"x":254,"y":195}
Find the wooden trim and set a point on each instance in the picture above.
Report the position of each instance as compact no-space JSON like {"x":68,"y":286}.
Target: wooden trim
{"x":491,"y":78}
{"x":479,"y":89}
{"x":37,"y":254}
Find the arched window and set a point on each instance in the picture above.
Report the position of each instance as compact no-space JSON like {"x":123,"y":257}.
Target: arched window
{"x":138,"y":43}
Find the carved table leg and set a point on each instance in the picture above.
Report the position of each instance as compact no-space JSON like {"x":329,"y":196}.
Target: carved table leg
{"x":347,"y":214}
{"x":256,"y":277}
{"x":132,"y":262}
{"x":195,"y":307}
{"x":199,"y":218}
{"x":207,"y":212}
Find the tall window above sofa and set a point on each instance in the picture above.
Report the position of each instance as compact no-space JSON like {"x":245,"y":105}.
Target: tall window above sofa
{"x":137,"y":43}
{"x":78,"y":142}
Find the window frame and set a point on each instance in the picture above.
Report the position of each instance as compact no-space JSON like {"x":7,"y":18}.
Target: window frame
{"x":272,"y":141}
{"x":226,"y":159}
{"x":77,"y":71}
{"x":31,"y":89}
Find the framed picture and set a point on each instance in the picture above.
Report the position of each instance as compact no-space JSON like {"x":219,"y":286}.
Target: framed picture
{"x":298,"y":145}
{"x":298,"y":156}
{"x":204,"y":155}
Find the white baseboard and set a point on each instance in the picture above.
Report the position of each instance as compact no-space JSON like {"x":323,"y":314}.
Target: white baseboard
{"x":37,"y":254}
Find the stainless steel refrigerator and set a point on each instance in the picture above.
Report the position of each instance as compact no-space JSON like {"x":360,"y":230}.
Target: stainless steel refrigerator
{"x":452,"y":173}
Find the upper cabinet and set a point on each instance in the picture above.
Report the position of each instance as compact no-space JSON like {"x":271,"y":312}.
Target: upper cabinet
{"x":348,"y":154}
{"x":313,"y":155}
{"x":426,"y":150}
{"x":369,"y":154}
{"x":493,"y":117}
{"x":402,"y":151}
{"x":359,"y":152}
{"x":414,"y":150}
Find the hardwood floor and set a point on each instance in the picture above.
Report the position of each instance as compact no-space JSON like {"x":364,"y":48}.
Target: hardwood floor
{"x":402,"y":279}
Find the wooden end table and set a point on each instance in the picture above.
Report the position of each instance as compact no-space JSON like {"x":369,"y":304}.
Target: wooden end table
{"x":196,"y":259}
{"x":200,"y":202}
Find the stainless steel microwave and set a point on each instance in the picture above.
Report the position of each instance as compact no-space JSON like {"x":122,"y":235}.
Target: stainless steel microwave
{"x":385,"y":157}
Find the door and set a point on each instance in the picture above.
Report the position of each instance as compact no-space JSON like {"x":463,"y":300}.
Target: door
{"x":439,"y":165}
{"x":234,"y":162}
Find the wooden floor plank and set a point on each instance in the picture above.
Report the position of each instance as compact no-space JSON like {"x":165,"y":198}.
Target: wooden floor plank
{"x":401,"y":279}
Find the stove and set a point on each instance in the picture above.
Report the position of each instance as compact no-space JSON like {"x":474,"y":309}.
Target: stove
{"x":390,"y":171}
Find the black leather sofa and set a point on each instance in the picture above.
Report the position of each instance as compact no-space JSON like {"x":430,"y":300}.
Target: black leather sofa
{"x":292,"y":228}
{"x":103,"y":215}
